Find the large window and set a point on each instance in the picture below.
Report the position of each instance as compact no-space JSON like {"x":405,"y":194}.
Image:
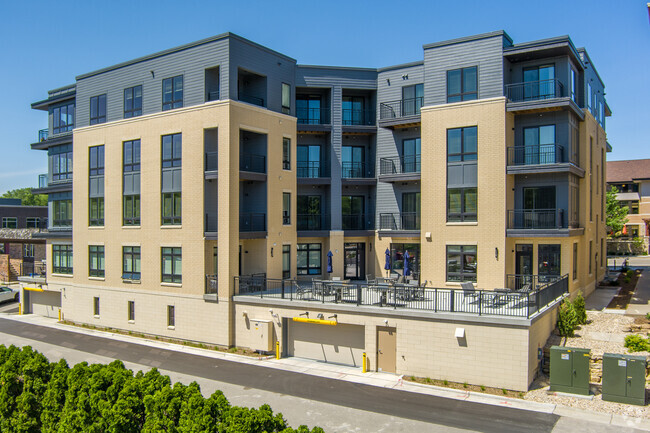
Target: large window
{"x":172,"y":150}
{"x":462,"y":84}
{"x":98,"y":109}
{"x":171,"y":179}
{"x":286,"y":153}
{"x":286,"y":98}
{"x":60,"y":162}
{"x":96,"y":211}
{"x":96,"y":261}
{"x":172,"y":89}
{"x":131,"y":183}
{"x":462,"y":192}
{"x":9,"y":223}
{"x":462,"y":204}
{"x":133,"y":102}
{"x":461,"y":263}
{"x":171,"y":208}
{"x":33,"y":222}
{"x":462,"y":144}
{"x":62,"y":212}
{"x":574,"y":83}
{"x":96,"y":186}
{"x":172,"y":268}
{"x":309,"y":212}
{"x":286,"y":208}
{"x":352,"y":111}
{"x":131,"y":263}
{"x":309,"y":162}
{"x":353,"y":212}
{"x":63,"y":118}
{"x":548,"y":261}
{"x":62,"y":259}
{"x":309,"y":259}
{"x":308,"y":110}
{"x":539,"y":82}
{"x":286,"y":261}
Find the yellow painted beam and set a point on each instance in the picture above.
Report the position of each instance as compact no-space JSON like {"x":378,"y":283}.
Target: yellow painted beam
{"x":316,"y":321}
{"x":33,"y":289}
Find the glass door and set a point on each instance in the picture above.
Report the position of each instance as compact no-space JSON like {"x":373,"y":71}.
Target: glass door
{"x":411,"y":155}
{"x":352,"y":207}
{"x":539,"y":82}
{"x":539,"y":207}
{"x":411,"y":211}
{"x":309,"y":161}
{"x":539,"y":145}
{"x":523,"y":265}
{"x":352,"y":158}
{"x":309,"y":212}
{"x":355,"y":261}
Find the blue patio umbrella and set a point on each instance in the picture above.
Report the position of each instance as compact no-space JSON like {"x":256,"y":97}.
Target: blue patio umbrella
{"x":329,"y":262}
{"x":387,"y":265}
{"x":407,"y":268}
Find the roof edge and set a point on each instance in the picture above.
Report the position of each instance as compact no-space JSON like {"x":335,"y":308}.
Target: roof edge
{"x":346,"y":68}
{"x":584,"y":50}
{"x":401,"y":66}
{"x":468,"y":39}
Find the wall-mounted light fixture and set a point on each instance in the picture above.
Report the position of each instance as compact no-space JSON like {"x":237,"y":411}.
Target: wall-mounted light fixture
{"x":271,"y":251}
{"x":306,"y":313}
{"x":496,"y":253}
{"x":320,"y":316}
{"x":405,"y":77}
{"x":388,"y":81}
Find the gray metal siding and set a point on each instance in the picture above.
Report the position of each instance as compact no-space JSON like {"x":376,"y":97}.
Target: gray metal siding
{"x":190,"y":63}
{"x":487,"y":54}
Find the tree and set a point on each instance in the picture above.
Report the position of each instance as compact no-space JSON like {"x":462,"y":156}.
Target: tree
{"x":616,"y":213}
{"x":28,"y":199}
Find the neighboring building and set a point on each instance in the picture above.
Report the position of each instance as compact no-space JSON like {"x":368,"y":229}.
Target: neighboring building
{"x":203,"y":164}
{"x":22,"y":252}
{"x":632,"y":180}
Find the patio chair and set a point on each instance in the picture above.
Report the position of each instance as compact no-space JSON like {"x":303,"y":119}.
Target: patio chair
{"x":303,"y":289}
{"x":469,"y":291}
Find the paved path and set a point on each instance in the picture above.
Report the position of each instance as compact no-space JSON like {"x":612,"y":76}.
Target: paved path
{"x":640,"y":302}
{"x":337,"y":405}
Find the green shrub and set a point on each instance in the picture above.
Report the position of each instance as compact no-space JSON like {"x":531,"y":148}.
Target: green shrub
{"x":647,"y":316}
{"x":637,"y":343}
{"x":579,"y":307}
{"x":630,"y":273}
{"x":627,"y":279}
{"x":567,"y":320}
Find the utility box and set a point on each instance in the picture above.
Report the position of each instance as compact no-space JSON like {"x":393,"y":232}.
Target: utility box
{"x":262,"y":335}
{"x":624,"y":378}
{"x":570,"y":370}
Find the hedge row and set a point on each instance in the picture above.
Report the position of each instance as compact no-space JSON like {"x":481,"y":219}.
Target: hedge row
{"x":39,"y":396}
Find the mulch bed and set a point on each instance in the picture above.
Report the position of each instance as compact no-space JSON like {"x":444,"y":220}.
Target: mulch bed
{"x":624,"y":296}
{"x":465,"y":386}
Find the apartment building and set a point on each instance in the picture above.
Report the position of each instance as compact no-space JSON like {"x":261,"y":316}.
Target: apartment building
{"x":218,"y":183}
{"x":632,"y":181}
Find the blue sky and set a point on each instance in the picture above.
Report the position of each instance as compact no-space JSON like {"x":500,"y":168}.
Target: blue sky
{"x":47,"y":43}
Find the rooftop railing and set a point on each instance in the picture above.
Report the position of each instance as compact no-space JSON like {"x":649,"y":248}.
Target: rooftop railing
{"x":535,"y":90}
{"x":400,"y":108}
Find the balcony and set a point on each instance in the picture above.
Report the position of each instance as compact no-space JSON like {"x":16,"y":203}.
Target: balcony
{"x":399,"y":168}
{"x":359,"y":120}
{"x":42,"y":180}
{"x":43,"y":134}
{"x":250,"y":99}
{"x":400,"y":113}
{"x":358,"y":173}
{"x":253,"y":166}
{"x":252,"y":222}
{"x":211,"y":288}
{"x":211,"y":165}
{"x":312,"y":173}
{"x":405,"y":221}
{"x":357,"y":222}
{"x":214,"y":96}
{"x":543,"y":158}
{"x":543,"y":95}
{"x":313,"y":222}
{"x":541,"y":222}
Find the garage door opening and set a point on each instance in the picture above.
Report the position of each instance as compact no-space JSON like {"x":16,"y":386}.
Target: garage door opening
{"x":340,"y":344}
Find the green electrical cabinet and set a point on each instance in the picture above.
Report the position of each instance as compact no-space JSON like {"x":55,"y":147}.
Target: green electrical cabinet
{"x":624,"y":378}
{"x":570,"y":370}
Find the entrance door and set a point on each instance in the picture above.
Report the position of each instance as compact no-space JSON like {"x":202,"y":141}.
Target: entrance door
{"x":386,"y":349}
{"x":355,"y":261}
{"x":523,"y":265}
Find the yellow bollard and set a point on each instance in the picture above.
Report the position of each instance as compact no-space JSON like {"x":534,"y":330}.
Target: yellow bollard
{"x":20,"y":309}
{"x":365,"y":360}
{"x":277,"y":350}
{"x":59,"y":314}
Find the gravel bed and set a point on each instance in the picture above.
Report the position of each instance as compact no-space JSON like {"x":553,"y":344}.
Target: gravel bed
{"x":604,"y":333}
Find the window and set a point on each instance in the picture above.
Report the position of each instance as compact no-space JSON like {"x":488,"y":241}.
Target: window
{"x":131,"y":311}
{"x":286,"y":153}
{"x":309,"y":162}
{"x":462,"y":204}
{"x":98,"y":109}
{"x":412,"y":99}
{"x":309,"y":212}
{"x":96,"y":211}
{"x":131,"y":263}
{"x":286,"y":98}
{"x":589,"y":96}
{"x":462,"y":84}
{"x":539,"y":82}
{"x":353,"y":112}
{"x":172,"y":89}
{"x":590,"y":255}
{"x":96,"y":189}
{"x":462,"y":193}
{"x":172,"y":150}
{"x":574,"y":93}
{"x":62,"y":259}
{"x":96,"y":160}
{"x":602,"y":251}
{"x":548,"y":261}
{"x":63,"y":118}
{"x":60,"y":159}
{"x":172,"y":270}
{"x":96,"y":305}
{"x":131,"y":183}
{"x":96,"y":261}
{"x":9,"y":223}
{"x":171,"y":319}
{"x":410,"y":217}
{"x":133,"y":102}
{"x":575,"y":261}
{"x":171,"y":208}
{"x":308,"y":110}
{"x":539,"y":146}
{"x":3,"y":249}
{"x":28,"y":251}
{"x":309,"y":259}
{"x":33,"y":222}
{"x":286,"y":261}
{"x":286,"y":208}
{"x":171,"y":179}
{"x":461,"y":263}
{"x":462,"y":144}
{"x":411,"y":155}
{"x":62,"y":212}
{"x":353,"y":212}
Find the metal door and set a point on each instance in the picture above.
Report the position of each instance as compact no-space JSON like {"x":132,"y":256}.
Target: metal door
{"x":386,"y":349}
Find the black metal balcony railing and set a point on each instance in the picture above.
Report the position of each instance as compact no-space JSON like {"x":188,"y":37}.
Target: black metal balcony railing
{"x":42,"y":180}
{"x":400,"y":108}
{"x":358,"y":117}
{"x":533,"y":155}
{"x":214,"y":95}
{"x":313,"y":116}
{"x":211,"y":222}
{"x":211,"y":161}
{"x":61,"y":224}
{"x":357,"y":222}
{"x":399,"y":221}
{"x":524,"y":301}
{"x":252,"y":222}
{"x":43,"y":134}
{"x":313,"y":169}
{"x":252,"y":162}
{"x":535,"y":90}
{"x":536,"y":219}
{"x":211,"y":287}
{"x":255,"y":100}
{"x":313,"y":221}
{"x":356,"y":170}
{"x":399,"y":165}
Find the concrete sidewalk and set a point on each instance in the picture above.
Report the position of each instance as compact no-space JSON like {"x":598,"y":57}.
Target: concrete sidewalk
{"x":350,"y":374}
{"x":640,"y":302}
